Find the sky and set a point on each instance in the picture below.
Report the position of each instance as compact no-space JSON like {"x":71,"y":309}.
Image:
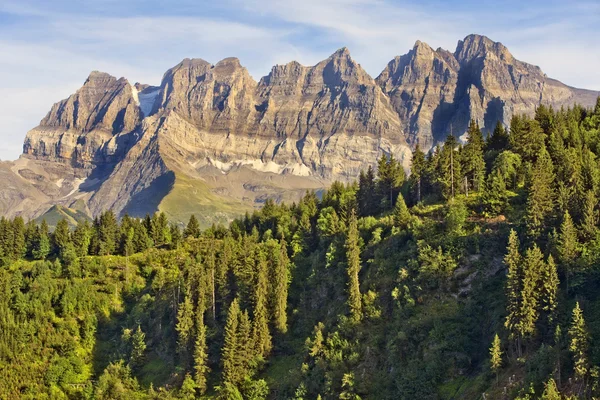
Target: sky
{"x":48,"y":48}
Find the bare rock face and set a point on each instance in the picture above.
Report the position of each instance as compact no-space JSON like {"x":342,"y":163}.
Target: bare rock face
{"x":211,"y":140}
{"x":421,"y":86}
{"x":89,"y":126}
{"x":437,"y":93}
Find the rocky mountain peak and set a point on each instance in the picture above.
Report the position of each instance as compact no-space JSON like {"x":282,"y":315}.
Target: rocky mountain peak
{"x":478,"y":46}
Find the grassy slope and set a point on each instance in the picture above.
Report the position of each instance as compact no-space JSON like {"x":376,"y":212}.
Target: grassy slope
{"x":191,"y":196}
{"x":57,"y":212}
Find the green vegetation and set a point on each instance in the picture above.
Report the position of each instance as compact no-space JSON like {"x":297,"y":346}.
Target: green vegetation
{"x":476,"y":276}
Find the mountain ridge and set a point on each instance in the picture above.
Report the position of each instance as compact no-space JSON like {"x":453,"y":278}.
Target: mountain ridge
{"x":122,"y":146}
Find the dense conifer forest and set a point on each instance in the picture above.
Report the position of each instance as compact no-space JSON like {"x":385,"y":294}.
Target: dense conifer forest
{"x":475,"y":276}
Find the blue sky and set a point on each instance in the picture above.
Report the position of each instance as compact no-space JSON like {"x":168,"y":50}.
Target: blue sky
{"x":49,"y":47}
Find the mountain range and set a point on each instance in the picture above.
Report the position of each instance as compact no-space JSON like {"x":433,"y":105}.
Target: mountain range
{"x":212,"y":141}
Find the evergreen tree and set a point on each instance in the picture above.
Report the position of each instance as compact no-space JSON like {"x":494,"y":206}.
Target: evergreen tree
{"x":551,"y":391}
{"x":390,"y":176}
{"x":417,"y":171}
{"x":499,"y":138}
{"x":449,"y":175}
{"x":514,"y":276}
{"x":107,"y":230}
{"x":590,"y":217}
{"x":42,"y":242}
{"x":229,"y":353}
{"x":81,"y":238}
{"x":138,"y":347}
{"x":402,"y":216}
{"x":280,"y":279}
{"x":530,"y":297}
{"x":188,"y":388}
{"x":541,"y":195}
{"x":19,"y":247}
{"x":245,"y":347}
{"x":578,"y":336}
{"x":185,"y":325}
{"x":496,"y":355}
{"x":366,"y":196}
{"x":494,"y":198}
{"x":200,"y":347}
{"x":192,"y":229}
{"x":260,"y":328}
{"x":353,"y":268}
{"x":474,"y":165}
{"x":61,"y":236}
{"x":549,"y":288}
{"x":568,"y":245}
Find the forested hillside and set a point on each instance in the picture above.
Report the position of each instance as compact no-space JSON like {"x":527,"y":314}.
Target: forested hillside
{"x":476,"y":276}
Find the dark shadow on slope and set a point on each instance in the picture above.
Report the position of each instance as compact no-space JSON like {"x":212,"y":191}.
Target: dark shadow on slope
{"x":147,"y":200}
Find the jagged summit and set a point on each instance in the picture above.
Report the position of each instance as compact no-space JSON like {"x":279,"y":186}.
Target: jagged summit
{"x":475,"y":46}
{"x":212,"y":129}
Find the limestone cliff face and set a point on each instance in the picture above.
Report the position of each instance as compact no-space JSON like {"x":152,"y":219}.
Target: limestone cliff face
{"x":438,"y":92}
{"x":210,"y":135}
{"x":329,"y":120}
{"x":421,"y":86}
{"x":89,"y":126}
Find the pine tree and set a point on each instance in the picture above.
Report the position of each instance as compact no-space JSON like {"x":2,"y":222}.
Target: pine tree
{"x":245,"y":347}
{"x":188,"y":388}
{"x":496,"y":355}
{"x":449,"y":175}
{"x":529,"y":307}
{"x":353,"y":268}
{"x":42,"y":242}
{"x":551,"y":391}
{"x":417,"y":172}
{"x":260,"y":328}
{"x":549,"y":288}
{"x":185,"y":325}
{"x":541,"y":195}
{"x":366,"y":196}
{"x":82,"y":238}
{"x":107,"y":230}
{"x":280,"y":279}
{"x":61,"y":236}
{"x":200,"y":347}
{"x":568,"y":245}
{"x":578,"y":336}
{"x":499,"y":139}
{"x":590,"y":217}
{"x":19,"y":247}
{"x":494,"y":197}
{"x":474,"y":165}
{"x":402,"y":216}
{"x":514,"y":276}
{"x":138,"y":347}
{"x":229,"y":352}
{"x":192,"y":229}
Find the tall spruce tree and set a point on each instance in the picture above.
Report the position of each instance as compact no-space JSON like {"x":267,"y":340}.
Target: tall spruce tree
{"x":533,"y":265}
{"x":568,"y":245}
{"x":201,"y":368}
{"x":541,"y":195}
{"x":496,"y":355}
{"x":514,"y":276}
{"x":260,"y":326}
{"x":229,"y":352}
{"x":280,"y":280}
{"x":353,"y":268}
{"x":417,"y":172}
{"x":549,"y":283}
{"x":473,"y":163}
{"x":579,"y":343}
{"x":192,"y":229}
{"x":449,"y":175}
